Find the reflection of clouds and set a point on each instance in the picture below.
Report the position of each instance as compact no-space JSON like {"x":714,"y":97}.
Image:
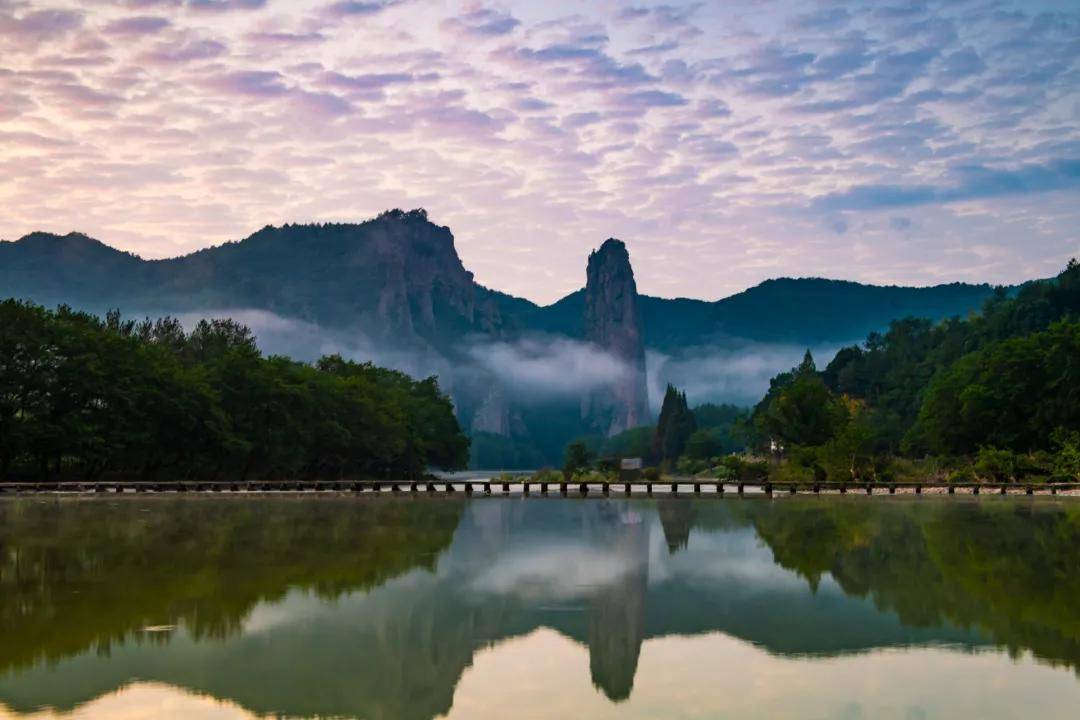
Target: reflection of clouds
{"x":296,"y":607}
{"x":722,"y":561}
{"x":144,"y":700}
{"x":557,"y":571}
{"x":715,"y":675}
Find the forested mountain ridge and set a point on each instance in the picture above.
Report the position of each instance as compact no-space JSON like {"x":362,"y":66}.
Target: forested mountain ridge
{"x":400,"y":276}
{"x":394,"y":290}
{"x":396,"y":276}
{"x":1001,"y":387}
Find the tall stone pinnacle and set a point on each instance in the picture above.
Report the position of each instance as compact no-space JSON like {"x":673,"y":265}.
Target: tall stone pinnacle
{"x":613,"y":324}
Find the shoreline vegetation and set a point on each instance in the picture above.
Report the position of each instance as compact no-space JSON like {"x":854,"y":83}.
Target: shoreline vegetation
{"x":991,"y":398}
{"x":84,"y":398}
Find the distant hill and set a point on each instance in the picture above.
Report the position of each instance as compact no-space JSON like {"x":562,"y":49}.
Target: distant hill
{"x":399,"y":275}
{"x":804,"y":311}
{"x":394,"y":289}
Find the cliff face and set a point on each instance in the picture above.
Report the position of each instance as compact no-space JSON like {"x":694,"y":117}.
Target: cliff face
{"x":612,"y":322}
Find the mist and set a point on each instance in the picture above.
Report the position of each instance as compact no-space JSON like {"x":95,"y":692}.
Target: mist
{"x":537,"y":367}
{"x":546,"y":366}
{"x":737,"y":374}
{"x":306,"y":341}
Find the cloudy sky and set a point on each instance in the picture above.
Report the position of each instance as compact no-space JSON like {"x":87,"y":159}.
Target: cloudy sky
{"x":726,"y":142}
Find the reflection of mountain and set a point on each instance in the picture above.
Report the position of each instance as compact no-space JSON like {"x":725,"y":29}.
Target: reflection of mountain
{"x":396,"y":640}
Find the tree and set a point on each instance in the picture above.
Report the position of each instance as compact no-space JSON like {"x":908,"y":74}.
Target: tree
{"x":705,"y":443}
{"x":1012,"y":394}
{"x":578,"y":458}
{"x":800,"y":409}
{"x":82,"y":397}
{"x":674,"y":428}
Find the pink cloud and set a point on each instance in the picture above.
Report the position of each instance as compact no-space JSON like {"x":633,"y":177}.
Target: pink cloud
{"x":138,"y":25}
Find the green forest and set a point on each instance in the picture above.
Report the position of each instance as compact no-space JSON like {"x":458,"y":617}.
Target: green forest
{"x":995,"y":396}
{"x":84,"y":397}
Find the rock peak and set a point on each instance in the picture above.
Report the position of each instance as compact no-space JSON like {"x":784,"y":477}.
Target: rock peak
{"x":612,"y":250}
{"x":612,"y":322}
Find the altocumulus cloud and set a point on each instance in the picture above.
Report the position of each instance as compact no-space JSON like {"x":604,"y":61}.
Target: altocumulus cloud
{"x":698,"y":132}
{"x":974,"y":182}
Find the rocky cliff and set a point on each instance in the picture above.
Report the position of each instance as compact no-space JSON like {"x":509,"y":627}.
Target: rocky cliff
{"x":612,"y":322}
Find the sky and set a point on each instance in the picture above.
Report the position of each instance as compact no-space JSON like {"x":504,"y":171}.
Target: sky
{"x":726,"y":142}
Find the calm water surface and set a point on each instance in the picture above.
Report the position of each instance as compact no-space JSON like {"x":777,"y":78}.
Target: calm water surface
{"x":496,"y":608}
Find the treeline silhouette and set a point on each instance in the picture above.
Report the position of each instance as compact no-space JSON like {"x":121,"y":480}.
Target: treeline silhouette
{"x":83,"y":396}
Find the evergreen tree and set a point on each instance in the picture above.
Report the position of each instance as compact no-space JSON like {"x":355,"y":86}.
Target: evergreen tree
{"x":674,"y":428}
{"x":578,"y":458}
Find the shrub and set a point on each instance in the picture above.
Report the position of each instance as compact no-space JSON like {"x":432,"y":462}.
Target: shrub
{"x":548,"y":475}
{"x":961,"y":475}
{"x":1067,"y":458}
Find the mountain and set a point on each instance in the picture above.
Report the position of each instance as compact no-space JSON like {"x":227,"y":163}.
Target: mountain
{"x":611,"y":322}
{"x":397,"y":276}
{"x":393,"y":289}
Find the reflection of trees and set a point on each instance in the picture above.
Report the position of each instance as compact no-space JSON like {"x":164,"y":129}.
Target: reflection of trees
{"x":77,"y":576}
{"x":676,"y":518}
{"x":1006,"y":567}
{"x":86,"y":575}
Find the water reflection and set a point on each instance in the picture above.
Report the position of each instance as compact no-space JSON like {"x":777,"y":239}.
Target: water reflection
{"x":399,"y":608}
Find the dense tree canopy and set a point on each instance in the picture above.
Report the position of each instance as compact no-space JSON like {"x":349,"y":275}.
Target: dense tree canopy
{"x":989,"y":387}
{"x":1011,"y":394}
{"x":81,"y":397}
